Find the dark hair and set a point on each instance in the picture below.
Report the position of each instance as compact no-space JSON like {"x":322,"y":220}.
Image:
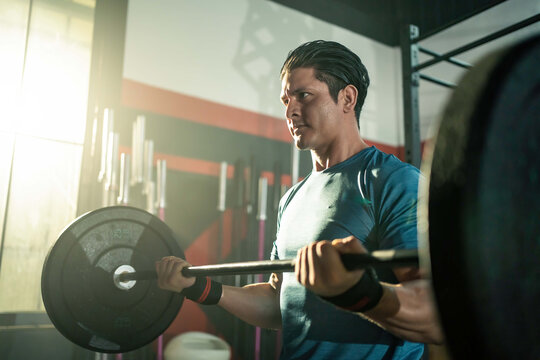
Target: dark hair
{"x":334,"y":64}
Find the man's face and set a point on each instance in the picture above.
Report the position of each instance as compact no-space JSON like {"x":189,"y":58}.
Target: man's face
{"x":313,"y":117}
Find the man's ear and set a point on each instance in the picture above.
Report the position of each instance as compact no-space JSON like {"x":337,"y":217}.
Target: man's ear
{"x":350,"y":95}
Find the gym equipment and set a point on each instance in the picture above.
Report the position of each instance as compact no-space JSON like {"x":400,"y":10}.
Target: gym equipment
{"x":95,"y":280}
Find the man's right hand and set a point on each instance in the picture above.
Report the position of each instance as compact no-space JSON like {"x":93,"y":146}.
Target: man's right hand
{"x":169,"y":270}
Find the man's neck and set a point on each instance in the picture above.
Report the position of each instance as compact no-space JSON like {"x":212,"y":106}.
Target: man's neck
{"x":324,"y":159}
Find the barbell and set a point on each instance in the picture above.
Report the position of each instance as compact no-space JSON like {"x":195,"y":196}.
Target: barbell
{"x":481,"y":218}
{"x":93,"y":278}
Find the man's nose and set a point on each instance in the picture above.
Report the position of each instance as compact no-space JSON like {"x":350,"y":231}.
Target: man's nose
{"x":292,"y":110}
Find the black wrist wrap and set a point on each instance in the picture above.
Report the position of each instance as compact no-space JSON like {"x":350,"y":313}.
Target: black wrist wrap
{"x":364,"y":295}
{"x":204,"y":291}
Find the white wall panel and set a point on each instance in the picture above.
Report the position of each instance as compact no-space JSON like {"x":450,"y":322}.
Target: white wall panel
{"x":230,"y":52}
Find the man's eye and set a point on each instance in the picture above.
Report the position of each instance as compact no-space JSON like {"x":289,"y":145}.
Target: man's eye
{"x":303,"y":95}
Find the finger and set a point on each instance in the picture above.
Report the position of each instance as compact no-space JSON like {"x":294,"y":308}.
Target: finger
{"x":349,"y":245}
{"x":322,"y":257}
{"x":172,"y":265}
{"x":329,"y":258}
{"x":298,"y":266}
{"x":163,"y":264}
{"x":304,"y":273}
{"x":312,"y":262}
{"x":175,"y":272}
{"x":326,"y":251}
{"x":161,"y":267}
{"x":166,"y":267}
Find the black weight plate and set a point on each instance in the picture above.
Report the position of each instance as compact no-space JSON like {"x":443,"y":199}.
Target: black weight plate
{"x":77,"y":285}
{"x":484,"y":206}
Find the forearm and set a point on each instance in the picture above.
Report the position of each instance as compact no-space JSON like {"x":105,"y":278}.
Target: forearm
{"x":256,"y":304}
{"x":407,"y":311}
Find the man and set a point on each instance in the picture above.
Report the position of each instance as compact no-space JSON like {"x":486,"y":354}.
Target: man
{"x":354,"y":192}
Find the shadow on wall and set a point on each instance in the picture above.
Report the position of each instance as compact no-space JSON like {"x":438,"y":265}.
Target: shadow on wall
{"x":261,"y":38}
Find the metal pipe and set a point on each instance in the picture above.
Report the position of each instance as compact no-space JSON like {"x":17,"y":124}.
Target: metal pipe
{"x":451,"y":60}
{"x":481,"y":41}
{"x":295,"y":164}
{"x":263,"y":190}
{"x":107,"y":127}
{"x":148,"y":163}
{"x":111,"y":171}
{"x":123,"y":193}
{"x":161,"y":184}
{"x":437,"y":81}
{"x":138,"y":150}
{"x":379,"y":258}
{"x":222,"y":196}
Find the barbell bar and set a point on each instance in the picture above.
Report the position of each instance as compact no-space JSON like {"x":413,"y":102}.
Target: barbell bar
{"x":378,"y":258}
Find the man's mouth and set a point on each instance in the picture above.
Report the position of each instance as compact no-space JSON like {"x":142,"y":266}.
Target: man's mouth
{"x":297,"y":129}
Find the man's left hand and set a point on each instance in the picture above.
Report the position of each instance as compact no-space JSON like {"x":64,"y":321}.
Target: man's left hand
{"x":319,"y":267}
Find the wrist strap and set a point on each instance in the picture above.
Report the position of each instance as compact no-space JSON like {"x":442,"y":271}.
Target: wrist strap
{"x":363,"y":296}
{"x":204,"y":291}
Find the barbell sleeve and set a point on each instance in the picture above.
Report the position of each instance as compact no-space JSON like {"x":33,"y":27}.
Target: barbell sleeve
{"x":379,"y":258}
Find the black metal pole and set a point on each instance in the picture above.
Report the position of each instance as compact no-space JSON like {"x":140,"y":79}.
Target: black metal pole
{"x":411,"y":117}
{"x":479,"y":42}
{"x":451,"y":60}
{"x":437,"y":81}
{"x":380,"y":258}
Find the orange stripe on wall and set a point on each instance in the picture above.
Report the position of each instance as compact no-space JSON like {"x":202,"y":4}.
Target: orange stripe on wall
{"x":160,"y":101}
{"x":165,"y":102}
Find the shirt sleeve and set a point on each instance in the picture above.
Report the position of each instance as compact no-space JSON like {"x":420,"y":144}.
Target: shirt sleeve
{"x":398,"y":209}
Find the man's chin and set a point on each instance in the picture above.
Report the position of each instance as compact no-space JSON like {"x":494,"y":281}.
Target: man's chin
{"x":300,"y":145}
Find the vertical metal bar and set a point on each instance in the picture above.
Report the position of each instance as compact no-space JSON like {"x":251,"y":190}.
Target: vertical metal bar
{"x":411,"y":118}
{"x":222,"y":195}
{"x":137,"y":158}
{"x":148,"y":163}
{"x":161,"y":187}
{"x":295,"y":163}
{"x":149,"y":186}
{"x":107,"y":127}
{"x":222,"y":206}
{"x":125,"y":172}
{"x":261,"y":215}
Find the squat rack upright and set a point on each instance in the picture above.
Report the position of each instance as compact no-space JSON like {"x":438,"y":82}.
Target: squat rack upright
{"x":409,"y":39}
